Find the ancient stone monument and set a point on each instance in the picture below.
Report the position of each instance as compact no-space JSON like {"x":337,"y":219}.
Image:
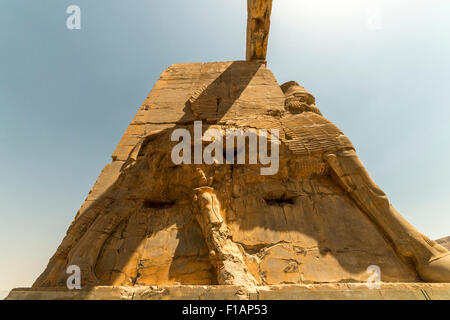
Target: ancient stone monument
{"x":151,"y":228}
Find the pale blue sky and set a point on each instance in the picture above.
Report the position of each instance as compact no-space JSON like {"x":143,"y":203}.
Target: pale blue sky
{"x":66,"y":97}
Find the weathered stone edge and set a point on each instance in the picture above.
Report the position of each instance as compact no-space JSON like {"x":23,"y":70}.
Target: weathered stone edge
{"x":339,"y":291}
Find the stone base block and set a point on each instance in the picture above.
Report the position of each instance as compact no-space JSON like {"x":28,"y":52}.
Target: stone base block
{"x":341,"y":291}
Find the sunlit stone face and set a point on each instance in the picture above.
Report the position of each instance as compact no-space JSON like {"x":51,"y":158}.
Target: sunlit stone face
{"x":152,"y":221}
{"x":297,"y":226}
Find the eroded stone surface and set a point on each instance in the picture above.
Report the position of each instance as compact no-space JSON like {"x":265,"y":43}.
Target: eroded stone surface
{"x":320,"y":219}
{"x":258,"y":26}
{"x":339,"y":291}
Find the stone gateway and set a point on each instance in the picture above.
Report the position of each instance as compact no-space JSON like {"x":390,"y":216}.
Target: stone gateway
{"x":154,"y":229}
